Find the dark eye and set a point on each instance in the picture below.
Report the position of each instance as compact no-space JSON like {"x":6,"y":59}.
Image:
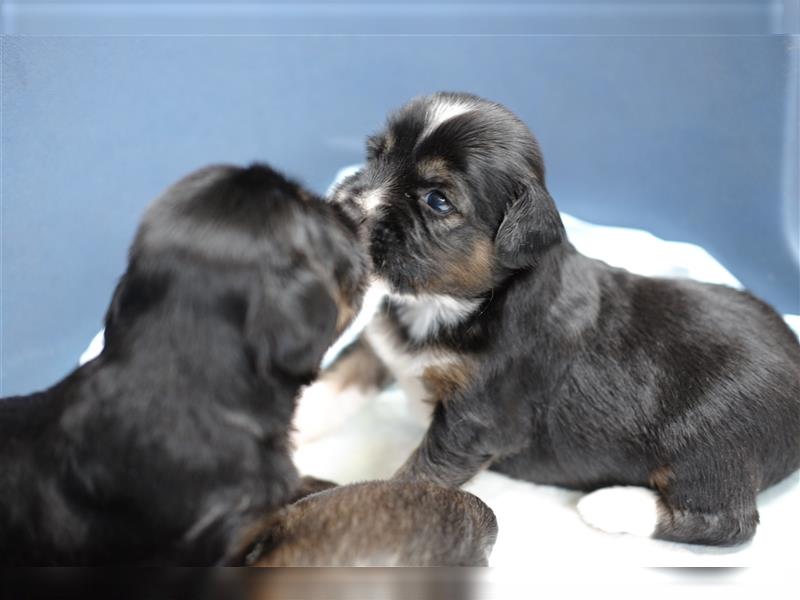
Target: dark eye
{"x":438,"y":202}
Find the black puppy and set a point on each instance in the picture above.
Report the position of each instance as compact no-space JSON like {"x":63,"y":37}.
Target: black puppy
{"x":545,"y":364}
{"x":171,"y":446}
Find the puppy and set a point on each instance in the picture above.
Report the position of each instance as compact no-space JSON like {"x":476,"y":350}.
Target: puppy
{"x":171,"y":446}
{"x":547,"y":365}
{"x":380,"y":524}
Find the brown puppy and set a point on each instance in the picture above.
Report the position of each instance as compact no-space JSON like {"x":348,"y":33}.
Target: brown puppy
{"x":380,"y":524}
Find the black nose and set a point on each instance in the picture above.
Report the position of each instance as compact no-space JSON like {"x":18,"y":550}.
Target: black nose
{"x":387,"y":233}
{"x":385,"y":239}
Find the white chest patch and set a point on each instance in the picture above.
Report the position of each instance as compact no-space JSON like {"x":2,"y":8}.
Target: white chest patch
{"x":427,"y":314}
{"x":406,"y":367}
{"x":422,"y":316}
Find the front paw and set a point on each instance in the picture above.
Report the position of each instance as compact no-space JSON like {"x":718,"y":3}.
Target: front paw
{"x":621,"y":509}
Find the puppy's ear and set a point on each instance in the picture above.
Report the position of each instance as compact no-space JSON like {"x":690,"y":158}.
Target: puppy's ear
{"x":115,"y":307}
{"x":531,"y":225}
{"x":290,"y":323}
{"x":135,"y":293}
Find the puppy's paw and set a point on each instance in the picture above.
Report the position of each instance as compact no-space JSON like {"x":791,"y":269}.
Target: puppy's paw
{"x":621,"y":509}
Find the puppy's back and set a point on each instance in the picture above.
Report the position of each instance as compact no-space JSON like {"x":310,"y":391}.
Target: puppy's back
{"x":382,"y":523}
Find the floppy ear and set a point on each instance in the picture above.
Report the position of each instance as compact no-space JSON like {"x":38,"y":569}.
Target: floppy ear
{"x":290,"y":323}
{"x":135,"y":293}
{"x":115,"y":306}
{"x":531,"y":225}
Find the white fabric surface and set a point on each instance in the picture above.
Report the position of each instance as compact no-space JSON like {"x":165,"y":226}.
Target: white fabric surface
{"x":539,"y":524}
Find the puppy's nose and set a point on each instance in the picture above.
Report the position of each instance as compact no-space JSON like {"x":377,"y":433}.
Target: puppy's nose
{"x":384,"y":237}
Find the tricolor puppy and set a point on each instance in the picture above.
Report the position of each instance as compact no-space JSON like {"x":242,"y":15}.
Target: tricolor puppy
{"x":171,"y":447}
{"x":550,"y":366}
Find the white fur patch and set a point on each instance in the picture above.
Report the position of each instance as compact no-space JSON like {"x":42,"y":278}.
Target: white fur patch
{"x":324,"y":406}
{"x":621,"y":509}
{"x":423,"y":315}
{"x":426,"y":314}
{"x":94,"y":349}
{"x":407,"y":368}
{"x":371,"y":200}
{"x":443,"y":110}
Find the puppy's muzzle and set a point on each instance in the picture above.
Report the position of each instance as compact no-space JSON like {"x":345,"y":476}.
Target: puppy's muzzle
{"x":383,"y":241}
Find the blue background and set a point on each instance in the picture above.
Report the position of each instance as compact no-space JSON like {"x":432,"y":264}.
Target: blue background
{"x":680,"y":120}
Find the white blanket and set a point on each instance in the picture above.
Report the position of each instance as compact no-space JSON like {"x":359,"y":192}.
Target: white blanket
{"x":539,"y":524}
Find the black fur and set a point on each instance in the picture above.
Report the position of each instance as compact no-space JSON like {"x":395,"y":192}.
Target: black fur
{"x":568,"y":371}
{"x":171,"y":446}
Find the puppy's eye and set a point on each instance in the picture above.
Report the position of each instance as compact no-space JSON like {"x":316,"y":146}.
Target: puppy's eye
{"x":438,"y":202}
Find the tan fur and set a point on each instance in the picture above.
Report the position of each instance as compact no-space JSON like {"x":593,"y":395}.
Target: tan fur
{"x":360,"y":368}
{"x":381,"y":524}
{"x":661,"y":477}
{"x":474,"y":274}
{"x":347,"y":311}
{"x":434,"y":168}
{"x":446,"y":380}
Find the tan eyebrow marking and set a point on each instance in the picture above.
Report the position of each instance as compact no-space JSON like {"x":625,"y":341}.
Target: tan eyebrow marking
{"x":433,"y":168}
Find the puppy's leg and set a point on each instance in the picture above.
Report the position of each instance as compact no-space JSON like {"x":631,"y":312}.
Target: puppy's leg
{"x":454,"y":449}
{"x":713,"y":506}
{"x":356,"y":376}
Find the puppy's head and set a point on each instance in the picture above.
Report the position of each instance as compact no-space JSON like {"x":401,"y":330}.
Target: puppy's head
{"x":452,"y":197}
{"x":253,"y":248}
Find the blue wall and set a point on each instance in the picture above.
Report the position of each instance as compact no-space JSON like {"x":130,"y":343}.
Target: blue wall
{"x":690,"y":136}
